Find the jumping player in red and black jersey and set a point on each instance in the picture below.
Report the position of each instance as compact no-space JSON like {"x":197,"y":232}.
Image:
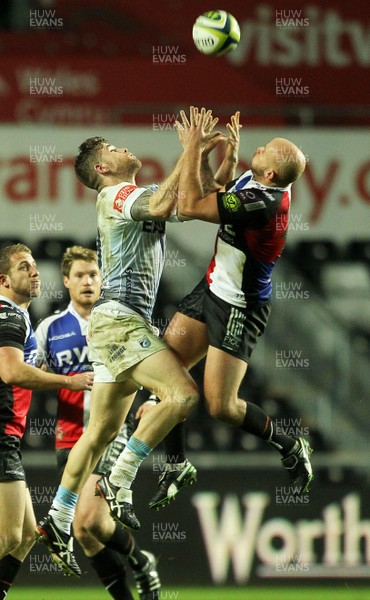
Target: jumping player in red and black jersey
{"x":229,"y":309}
{"x":19,"y":284}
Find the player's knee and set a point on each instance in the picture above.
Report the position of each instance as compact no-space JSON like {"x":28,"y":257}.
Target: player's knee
{"x":81,"y":531}
{"x":87,"y":541}
{"x":85,"y":518}
{"x":101,"y":438}
{"x":97,"y":528}
{"x":219,"y":411}
{"x":89,"y":529}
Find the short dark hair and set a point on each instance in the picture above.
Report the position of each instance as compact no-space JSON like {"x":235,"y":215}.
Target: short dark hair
{"x":76,"y":253}
{"x":88,"y":155}
{"x":6,"y":254}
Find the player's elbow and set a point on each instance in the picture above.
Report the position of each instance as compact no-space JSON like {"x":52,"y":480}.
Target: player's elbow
{"x":185,"y":212}
{"x":8,"y":375}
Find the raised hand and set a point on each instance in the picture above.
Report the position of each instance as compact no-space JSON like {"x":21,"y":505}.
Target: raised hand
{"x":227,"y":169}
{"x":198,"y":129}
{"x":233,"y":128}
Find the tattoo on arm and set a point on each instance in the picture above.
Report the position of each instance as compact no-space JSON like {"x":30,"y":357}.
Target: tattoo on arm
{"x":140,"y":208}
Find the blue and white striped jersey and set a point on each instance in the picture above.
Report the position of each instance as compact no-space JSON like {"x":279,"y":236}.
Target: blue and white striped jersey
{"x":131,"y":253}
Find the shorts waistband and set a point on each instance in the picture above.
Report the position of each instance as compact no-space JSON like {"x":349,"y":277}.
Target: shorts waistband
{"x":114,"y":307}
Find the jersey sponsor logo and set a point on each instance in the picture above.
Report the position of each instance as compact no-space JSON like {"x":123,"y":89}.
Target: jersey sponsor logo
{"x":10,"y":325}
{"x":14,"y":471}
{"x":55,"y":338}
{"x":231,"y":202}
{"x":68,"y":356}
{"x":253,"y":200}
{"x":259,"y":205}
{"x":11,"y":314}
{"x":122,"y":196}
{"x":227,"y":234}
{"x":154,"y":226}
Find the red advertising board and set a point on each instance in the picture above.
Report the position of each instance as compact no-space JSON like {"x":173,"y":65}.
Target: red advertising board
{"x":122,"y":62}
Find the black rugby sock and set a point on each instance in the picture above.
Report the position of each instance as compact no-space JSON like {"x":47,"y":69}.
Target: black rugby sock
{"x":123,"y":542}
{"x":260,"y":425}
{"x":174,"y":444}
{"x":9,"y":567}
{"x":112,"y":573}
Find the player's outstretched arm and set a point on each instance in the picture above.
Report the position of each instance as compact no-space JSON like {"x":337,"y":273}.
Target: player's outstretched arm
{"x":14,"y":371}
{"x":209,"y":184}
{"x":191,"y":203}
{"x":162,"y":204}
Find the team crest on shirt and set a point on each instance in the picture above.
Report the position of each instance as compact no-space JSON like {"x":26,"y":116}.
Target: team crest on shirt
{"x":145,"y":342}
{"x":231,"y":202}
{"x":122,"y":195}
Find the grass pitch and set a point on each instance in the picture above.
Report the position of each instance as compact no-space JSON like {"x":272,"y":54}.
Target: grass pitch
{"x":346,"y":592}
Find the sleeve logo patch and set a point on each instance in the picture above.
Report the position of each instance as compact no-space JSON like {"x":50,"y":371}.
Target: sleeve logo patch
{"x":231,"y":202}
{"x":122,"y":195}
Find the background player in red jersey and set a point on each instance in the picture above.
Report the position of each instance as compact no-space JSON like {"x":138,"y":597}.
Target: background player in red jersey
{"x":229,"y":309}
{"x":61,"y":342}
{"x":19,"y":284}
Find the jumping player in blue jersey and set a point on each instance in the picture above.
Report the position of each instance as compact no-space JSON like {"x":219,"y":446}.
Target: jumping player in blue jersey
{"x":61,"y":342}
{"x":123,"y":345}
{"x":19,"y":284}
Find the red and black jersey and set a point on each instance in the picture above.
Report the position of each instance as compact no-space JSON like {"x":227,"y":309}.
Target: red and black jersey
{"x":254,"y":224}
{"x":15,"y":332}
